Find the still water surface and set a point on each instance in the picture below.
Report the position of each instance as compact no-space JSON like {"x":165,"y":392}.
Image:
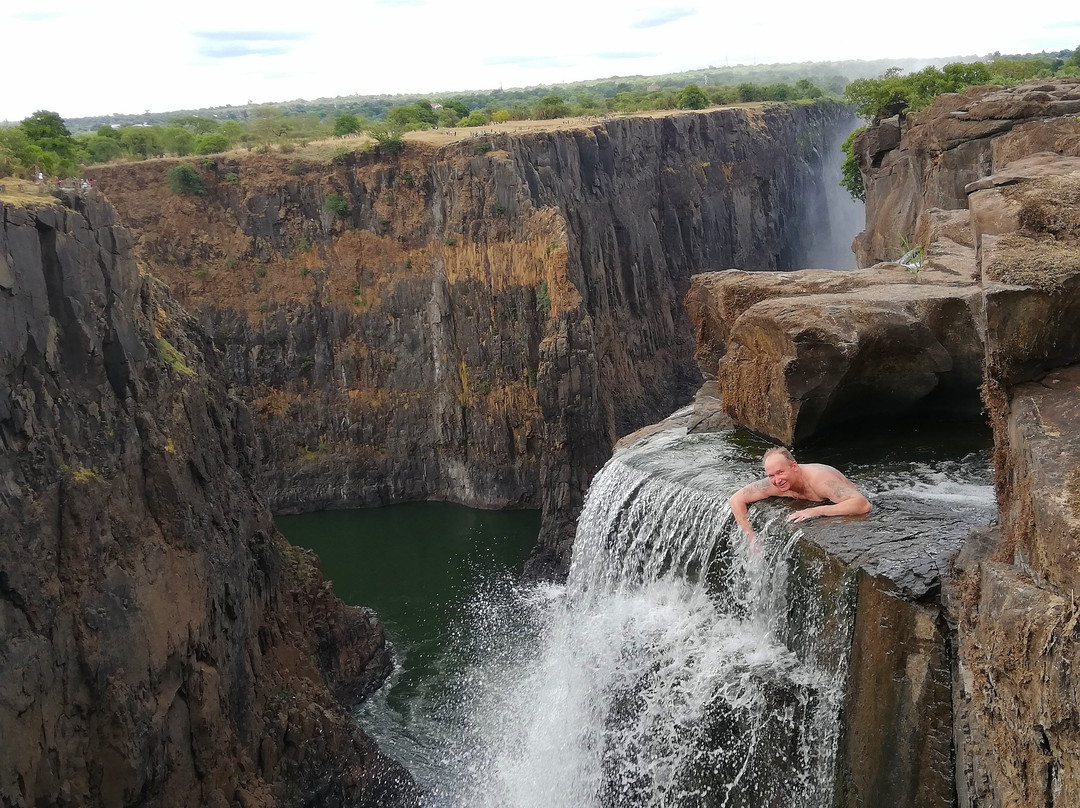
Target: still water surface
{"x":422,"y":567}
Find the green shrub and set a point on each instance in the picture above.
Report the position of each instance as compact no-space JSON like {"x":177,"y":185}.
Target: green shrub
{"x":336,"y":204}
{"x":211,"y":143}
{"x":183,"y":179}
{"x":543,"y":298}
{"x":691,"y":97}
{"x":303,"y":245}
{"x":232,"y":178}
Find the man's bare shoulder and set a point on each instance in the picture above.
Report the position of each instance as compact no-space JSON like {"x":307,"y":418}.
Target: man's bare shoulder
{"x":828,"y":482}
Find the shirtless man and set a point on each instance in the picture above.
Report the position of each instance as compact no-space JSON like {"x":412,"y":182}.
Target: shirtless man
{"x":786,"y":478}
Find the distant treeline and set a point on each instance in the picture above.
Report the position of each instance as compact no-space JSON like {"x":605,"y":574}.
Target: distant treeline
{"x":45,"y":142}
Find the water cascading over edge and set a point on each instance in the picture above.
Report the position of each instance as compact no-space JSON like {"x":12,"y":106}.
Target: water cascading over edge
{"x":673,"y":669}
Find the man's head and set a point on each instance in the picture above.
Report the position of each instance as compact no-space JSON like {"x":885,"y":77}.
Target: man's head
{"x":781,"y":468}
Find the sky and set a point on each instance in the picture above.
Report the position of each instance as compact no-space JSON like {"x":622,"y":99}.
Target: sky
{"x":83,"y":59}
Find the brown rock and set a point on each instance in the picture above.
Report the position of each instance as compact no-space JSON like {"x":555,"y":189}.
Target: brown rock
{"x":797,"y":366}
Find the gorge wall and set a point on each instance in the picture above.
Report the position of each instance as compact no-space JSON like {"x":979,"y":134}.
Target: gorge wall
{"x":987,"y":185}
{"x":160,"y":642}
{"x":486,"y":317}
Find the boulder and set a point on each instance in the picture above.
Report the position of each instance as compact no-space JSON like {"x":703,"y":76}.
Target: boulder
{"x":797,"y":366}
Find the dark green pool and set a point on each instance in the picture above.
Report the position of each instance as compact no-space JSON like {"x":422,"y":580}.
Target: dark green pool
{"x":418,"y":566}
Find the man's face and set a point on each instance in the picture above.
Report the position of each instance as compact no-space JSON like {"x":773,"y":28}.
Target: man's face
{"x":781,"y":471}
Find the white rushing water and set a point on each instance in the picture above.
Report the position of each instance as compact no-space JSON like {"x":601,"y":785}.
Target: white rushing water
{"x":673,"y":668}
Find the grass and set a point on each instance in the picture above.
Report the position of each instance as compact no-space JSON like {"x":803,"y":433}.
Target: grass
{"x":24,"y":192}
{"x":174,"y":358}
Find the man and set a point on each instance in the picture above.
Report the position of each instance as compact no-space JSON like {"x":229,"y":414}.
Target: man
{"x":786,"y":478}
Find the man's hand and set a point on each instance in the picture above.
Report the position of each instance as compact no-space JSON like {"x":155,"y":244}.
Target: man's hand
{"x":803,"y":515}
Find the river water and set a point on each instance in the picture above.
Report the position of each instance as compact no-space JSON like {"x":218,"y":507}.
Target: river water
{"x":673,"y":668}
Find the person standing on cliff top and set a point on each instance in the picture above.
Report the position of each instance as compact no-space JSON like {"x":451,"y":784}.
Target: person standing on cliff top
{"x":815,"y":482}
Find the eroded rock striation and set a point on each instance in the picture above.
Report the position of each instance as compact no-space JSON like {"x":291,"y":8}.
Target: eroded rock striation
{"x":484,"y":318}
{"x":160,"y":642}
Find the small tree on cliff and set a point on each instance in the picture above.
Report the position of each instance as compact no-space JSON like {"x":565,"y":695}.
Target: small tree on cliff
{"x":347,"y":124}
{"x":850,"y":176}
{"x":183,"y":179}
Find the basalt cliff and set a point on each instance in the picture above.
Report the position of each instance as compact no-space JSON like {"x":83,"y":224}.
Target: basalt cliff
{"x":160,"y":642}
{"x":963,"y":691}
{"x":477,"y":322}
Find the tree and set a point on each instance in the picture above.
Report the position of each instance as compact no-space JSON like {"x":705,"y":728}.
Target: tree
{"x":196,"y":124}
{"x":474,"y":118}
{"x":850,"y":176}
{"x":807,"y":89}
{"x":178,"y":141}
{"x":183,"y":179}
{"x":551,"y":107}
{"x":211,"y":144}
{"x":750,"y":92}
{"x":102,"y":149}
{"x":387,"y":137}
{"x":347,"y":124}
{"x":458,"y":106}
{"x":47,"y":132}
{"x":140,"y":141}
{"x":232,"y":130}
{"x":448,"y":116}
{"x":691,"y":97}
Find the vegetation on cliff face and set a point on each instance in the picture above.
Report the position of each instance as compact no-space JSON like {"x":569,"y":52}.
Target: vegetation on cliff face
{"x":850,"y":176}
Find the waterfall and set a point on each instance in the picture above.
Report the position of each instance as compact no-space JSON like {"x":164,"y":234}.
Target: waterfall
{"x":674,"y":668}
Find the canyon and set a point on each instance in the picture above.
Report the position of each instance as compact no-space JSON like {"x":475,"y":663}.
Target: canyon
{"x":477,"y":327}
{"x":486,"y":318}
{"x":479,"y":323}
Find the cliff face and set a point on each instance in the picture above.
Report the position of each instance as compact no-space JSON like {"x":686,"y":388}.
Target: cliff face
{"x":925,"y":161}
{"x":486,"y":317}
{"x":160,"y":642}
{"x":989,"y":184}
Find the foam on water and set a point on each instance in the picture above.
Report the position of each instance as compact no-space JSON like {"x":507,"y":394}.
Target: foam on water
{"x":656,"y":677}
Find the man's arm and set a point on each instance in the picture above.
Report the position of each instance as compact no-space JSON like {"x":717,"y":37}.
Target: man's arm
{"x":846,"y":501}
{"x":762,"y":489}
